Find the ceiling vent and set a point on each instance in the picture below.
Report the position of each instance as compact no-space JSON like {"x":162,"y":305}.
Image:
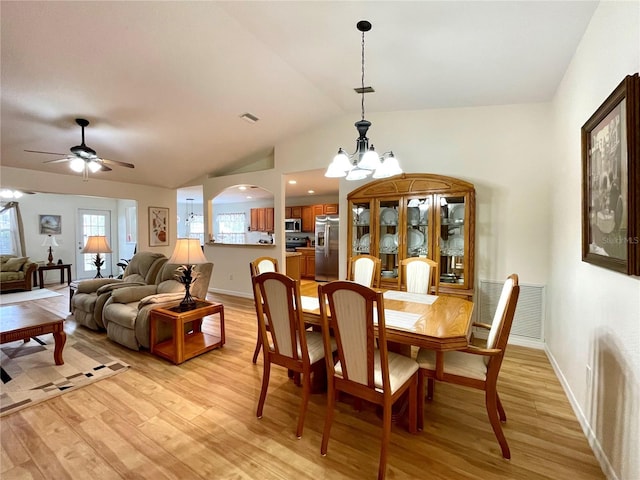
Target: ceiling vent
{"x":247,"y":117}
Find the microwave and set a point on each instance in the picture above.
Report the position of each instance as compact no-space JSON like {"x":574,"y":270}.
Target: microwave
{"x":292,"y":225}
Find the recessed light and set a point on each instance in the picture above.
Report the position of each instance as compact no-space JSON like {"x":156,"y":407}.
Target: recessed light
{"x":292,"y":182}
{"x":249,"y":197}
{"x":311,"y":192}
{"x":242,"y":187}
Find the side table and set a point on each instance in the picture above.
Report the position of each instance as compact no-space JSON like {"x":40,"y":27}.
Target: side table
{"x":62,"y":267}
{"x":183,"y":346}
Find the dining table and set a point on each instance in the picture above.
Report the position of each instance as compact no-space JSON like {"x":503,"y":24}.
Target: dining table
{"x":436,"y":322}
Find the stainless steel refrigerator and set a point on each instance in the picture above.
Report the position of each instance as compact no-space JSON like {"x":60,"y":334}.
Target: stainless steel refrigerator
{"x":327,"y":240}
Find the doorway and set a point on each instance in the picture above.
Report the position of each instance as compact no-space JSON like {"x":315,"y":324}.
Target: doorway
{"x":92,"y":222}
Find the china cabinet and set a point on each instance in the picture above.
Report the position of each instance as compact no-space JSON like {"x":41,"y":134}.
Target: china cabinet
{"x":416,"y":215}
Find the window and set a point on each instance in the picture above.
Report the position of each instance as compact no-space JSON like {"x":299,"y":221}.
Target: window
{"x":231,"y":227}
{"x":195,"y":227}
{"x":10,"y":230}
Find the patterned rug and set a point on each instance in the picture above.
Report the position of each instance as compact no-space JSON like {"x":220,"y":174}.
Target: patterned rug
{"x":29,"y":374}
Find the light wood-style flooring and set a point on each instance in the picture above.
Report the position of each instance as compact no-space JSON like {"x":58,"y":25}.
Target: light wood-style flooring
{"x":197,"y":421}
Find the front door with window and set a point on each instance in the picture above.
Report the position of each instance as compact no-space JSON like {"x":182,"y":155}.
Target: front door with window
{"x":92,"y":222}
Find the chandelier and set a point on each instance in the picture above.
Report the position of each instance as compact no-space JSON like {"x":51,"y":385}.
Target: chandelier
{"x":364,"y":161}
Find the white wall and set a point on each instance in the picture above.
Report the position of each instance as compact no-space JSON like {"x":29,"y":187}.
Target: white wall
{"x":144,"y":196}
{"x":594,"y":313}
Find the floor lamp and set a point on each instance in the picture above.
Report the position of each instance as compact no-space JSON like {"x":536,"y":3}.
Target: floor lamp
{"x":97,"y":244}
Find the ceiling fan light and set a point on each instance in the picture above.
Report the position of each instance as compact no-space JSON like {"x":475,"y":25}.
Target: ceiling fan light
{"x":94,"y":166}
{"x":77,"y":165}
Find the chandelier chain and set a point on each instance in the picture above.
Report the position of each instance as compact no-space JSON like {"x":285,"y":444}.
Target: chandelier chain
{"x":362,"y":79}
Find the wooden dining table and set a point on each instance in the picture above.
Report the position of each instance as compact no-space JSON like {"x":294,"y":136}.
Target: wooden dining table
{"x":440,"y":323}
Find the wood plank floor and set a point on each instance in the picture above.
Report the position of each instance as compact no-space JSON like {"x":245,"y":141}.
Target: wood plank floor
{"x":197,"y":421}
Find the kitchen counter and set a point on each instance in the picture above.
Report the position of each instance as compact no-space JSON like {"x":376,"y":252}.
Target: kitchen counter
{"x":293,"y":260}
{"x":213,"y":244}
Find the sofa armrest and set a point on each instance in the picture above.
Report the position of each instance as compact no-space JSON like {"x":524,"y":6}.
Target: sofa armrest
{"x":132,"y":294}
{"x":29,"y":268}
{"x":112,"y":286}
{"x":160,"y":298}
{"x":92,"y":285}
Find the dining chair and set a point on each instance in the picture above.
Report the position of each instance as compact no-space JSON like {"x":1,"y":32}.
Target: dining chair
{"x":475,"y":366}
{"x":364,"y":369}
{"x":277,"y":297}
{"x":365,"y":270}
{"x":419,"y":275}
{"x":258,"y":266}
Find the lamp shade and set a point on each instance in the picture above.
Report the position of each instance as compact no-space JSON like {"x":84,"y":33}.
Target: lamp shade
{"x":97,"y":244}
{"x":187,"y":252}
{"x":49,"y":241}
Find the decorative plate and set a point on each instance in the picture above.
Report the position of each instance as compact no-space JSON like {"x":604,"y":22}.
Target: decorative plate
{"x":363,"y":218}
{"x":389,"y":243}
{"x":364,"y":243}
{"x":456,"y":213}
{"x":413,"y":215}
{"x":415,"y":239}
{"x":389,"y":216}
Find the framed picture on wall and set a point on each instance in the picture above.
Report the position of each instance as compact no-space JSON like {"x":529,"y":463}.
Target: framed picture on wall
{"x":50,"y":224}
{"x":611,"y":181}
{"x":158,"y":226}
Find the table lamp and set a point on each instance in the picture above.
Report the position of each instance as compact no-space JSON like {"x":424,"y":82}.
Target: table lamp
{"x":50,"y":241}
{"x":187,"y":253}
{"x":97,"y":244}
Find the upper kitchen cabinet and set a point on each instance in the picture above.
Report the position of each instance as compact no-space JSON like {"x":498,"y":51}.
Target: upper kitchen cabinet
{"x":416,"y":215}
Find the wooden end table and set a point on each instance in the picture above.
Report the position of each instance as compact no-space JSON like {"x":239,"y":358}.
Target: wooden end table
{"x":21,"y":322}
{"x":62,"y":267}
{"x":183,"y":346}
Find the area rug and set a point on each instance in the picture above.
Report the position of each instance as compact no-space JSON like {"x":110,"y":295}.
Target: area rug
{"x":36,"y":294}
{"x":30,"y":375}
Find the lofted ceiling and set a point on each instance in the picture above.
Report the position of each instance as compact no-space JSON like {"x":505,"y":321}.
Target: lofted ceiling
{"x":164,"y":84}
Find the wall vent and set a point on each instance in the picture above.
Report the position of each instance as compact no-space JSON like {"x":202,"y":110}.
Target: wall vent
{"x":528,"y":321}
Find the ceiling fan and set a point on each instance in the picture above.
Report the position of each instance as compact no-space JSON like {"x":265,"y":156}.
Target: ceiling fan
{"x":84,"y":159}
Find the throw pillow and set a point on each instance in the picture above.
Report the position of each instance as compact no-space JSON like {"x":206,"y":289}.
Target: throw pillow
{"x":14,"y":264}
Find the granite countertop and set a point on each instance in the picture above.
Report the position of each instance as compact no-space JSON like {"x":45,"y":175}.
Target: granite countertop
{"x":293,"y":254}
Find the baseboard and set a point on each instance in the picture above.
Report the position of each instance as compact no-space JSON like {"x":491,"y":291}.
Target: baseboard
{"x":233,"y":293}
{"x":601,"y":457}
{"x":513,"y":340}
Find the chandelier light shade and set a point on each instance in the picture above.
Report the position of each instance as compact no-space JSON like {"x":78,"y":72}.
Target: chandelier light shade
{"x":187,"y":253}
{"x":50,"y":241}
{"x":97,"y":244}
{"x":365,"y":160}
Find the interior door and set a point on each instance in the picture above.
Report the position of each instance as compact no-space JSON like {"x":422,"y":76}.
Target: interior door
{"x":92,"y":222}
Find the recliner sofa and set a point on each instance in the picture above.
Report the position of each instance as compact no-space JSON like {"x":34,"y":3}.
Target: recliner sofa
{"x":91,"y":295}
{"x":126,"y":314}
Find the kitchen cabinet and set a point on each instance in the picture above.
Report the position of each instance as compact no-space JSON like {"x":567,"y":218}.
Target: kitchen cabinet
{"x":307,"y":262}
{"x":262,"y":220}
{"x":308,"y":214}
{"x":416,"y":215}
{"x":331,"y":209}
{"x":308,"y":219}
{"x":294,"y":264}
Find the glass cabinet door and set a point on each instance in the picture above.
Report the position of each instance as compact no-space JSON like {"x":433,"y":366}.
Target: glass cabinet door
{"x":418,"y":211}
{"x":387,"y":244}
{"x":453,"y":250}
{"x":360,"y":240}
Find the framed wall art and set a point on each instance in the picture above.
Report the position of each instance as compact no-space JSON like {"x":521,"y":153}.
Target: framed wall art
{"x":611,"y":181}
{"x":158,"y":226}
{"x":50,"y":224}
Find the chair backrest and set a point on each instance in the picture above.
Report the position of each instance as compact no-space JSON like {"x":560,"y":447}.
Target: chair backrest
{"x":263,"y":265}
{"x":419,"y":275}
{"x":144,"y":267}
{"x":365,"y":270}
{"x":278,"y":297}
{"x":352,"y":310}
{"x":503,"y":318}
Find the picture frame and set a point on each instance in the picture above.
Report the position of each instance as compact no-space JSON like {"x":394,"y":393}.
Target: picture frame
{"x":158,"y":226}
{"x":50,"y":224}
{"x":611,"y":181}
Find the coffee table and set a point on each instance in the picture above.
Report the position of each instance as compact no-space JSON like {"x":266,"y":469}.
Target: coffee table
{"x":23,"y":321}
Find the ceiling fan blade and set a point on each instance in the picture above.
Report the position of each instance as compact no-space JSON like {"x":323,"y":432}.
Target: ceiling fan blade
{"x":116,"y":162}
{"x":104,"y":168}
{"x":59,"y":160}
{"x":48,"y":153}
